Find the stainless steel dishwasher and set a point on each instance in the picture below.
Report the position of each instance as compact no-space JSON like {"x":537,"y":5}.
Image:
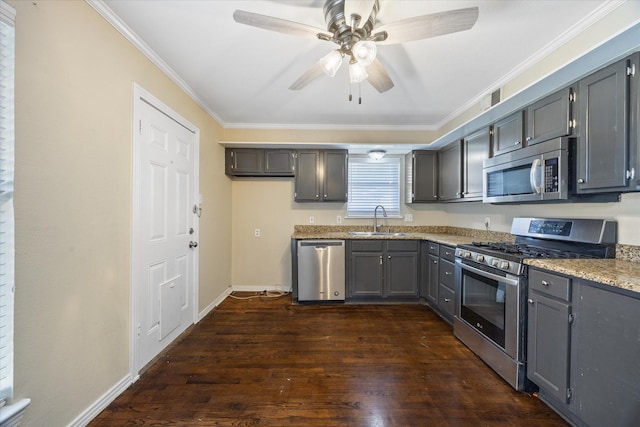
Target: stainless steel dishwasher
{"x":321,"y":275}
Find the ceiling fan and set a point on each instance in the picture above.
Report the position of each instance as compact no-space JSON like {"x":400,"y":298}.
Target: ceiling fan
{"x":351,"y":24}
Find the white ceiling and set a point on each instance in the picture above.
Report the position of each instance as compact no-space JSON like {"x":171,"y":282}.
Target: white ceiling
{"x":241,"y":74}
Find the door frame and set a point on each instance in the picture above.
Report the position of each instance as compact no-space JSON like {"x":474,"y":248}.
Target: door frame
{"x":140,"y":95}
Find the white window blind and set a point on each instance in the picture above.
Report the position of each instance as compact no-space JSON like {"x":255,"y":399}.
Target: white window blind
{"x":372,"y":183}
{"x":7,"y":134}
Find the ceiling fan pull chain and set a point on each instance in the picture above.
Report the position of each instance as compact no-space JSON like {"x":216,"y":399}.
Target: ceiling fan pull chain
{"x":350,"y":96}
{"x":359,"y":93}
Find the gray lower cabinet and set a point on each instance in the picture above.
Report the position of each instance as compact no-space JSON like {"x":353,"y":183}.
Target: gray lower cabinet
{"x":321,"y":176}
{"x":446,"y":287}
{"x":582,"y":349}
{"x":429,"y":281}
{"x":383,"y":269}
{"x":450,"y":172}
{"x":421,"y":176}
{"x":605,"y":161}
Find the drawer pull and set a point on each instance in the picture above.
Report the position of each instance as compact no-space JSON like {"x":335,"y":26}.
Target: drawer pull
{"x":447,"y":273}
{"x":447,"y":300}
{"x":545,"y":283}
{"x":530,"y":301}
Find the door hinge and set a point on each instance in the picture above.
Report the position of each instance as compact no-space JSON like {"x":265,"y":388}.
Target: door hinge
{"x":140,"y":127}
{"x":572,"y":317}
{"x":631,"y":70}
{"x":139,"y":329}
{"x":572,"y":96}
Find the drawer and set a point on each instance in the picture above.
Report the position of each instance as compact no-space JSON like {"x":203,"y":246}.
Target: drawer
{"x":447,"y":270}
{"x":366,"y":245}
{"x":403,"y":245}
{"x":434,"y":248}
{"x":447,"y":252}
{"x":550,"y":284}
{"x":446,"y":300}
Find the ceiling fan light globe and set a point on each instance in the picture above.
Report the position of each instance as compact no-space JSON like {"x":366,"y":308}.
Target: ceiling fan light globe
{"x":364,"y":52}
{"x":331,"y":62}
{"x":357,"y":72}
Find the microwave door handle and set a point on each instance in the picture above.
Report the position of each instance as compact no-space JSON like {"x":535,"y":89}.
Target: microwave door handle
{"x":535,"y":176}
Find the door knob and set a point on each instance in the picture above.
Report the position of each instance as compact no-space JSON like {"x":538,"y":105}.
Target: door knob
{"x":193,"y":244}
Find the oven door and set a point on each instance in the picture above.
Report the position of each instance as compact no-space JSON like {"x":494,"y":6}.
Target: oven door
{"x":491,"y":303}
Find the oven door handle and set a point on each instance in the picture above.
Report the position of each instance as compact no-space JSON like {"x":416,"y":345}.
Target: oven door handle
{"x":509,"y":279}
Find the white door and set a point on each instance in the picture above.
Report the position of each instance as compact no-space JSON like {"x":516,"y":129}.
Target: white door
{"x":164,"y":229}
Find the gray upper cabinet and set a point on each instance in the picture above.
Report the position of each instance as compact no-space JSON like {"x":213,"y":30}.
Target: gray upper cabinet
{"x":321,"y":175}
{"x":634,"y":125}
{"x":259,"y":162}
{"x":476,"y":149}
{"x":550,"y":117}
{"x":508,"y":133}
{"x":603,"y":140}
{"x":450,"y":172}
{"x":421,"y":176}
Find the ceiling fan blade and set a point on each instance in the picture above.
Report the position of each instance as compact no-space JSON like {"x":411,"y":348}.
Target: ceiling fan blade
{"x":426,"y":26}
{"x":277,"y":24}
{"x":378,"y":76}
{"x":310,"y":75}
{"x":361,"y":8}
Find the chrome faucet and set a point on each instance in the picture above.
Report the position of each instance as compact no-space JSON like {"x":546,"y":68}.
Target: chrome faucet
{"x":375,"y":217}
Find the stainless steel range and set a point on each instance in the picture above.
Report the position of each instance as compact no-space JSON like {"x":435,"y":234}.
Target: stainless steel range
{"x":491,"y":285}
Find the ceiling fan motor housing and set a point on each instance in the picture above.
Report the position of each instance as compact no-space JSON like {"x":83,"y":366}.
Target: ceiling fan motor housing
{"x":340,"y":26}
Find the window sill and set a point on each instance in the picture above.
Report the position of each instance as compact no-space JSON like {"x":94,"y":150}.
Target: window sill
{"x":11,"y":415}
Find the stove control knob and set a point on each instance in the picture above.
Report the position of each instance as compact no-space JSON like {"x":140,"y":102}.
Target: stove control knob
{"x":494,"y":263}
{"x":480,"y":258}
{"x":504,"y":265}
{"x":466,"y":254}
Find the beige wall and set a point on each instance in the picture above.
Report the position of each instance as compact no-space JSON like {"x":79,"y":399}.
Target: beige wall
{"x":74,"y":77}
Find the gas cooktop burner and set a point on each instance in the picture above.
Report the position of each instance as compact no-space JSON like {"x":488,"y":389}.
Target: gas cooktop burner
{"x":529,"y":251}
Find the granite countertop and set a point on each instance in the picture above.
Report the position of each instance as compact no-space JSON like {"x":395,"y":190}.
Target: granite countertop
{"x":445,"y":235}
{"x":614,"y":272}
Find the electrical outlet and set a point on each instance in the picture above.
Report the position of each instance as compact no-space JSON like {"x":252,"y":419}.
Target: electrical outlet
{"x":338,"y":219}
{"x":487,"y":222}
{"x":408,"y":217}
{"x":312,"y":219}
{"x":256,"y":232}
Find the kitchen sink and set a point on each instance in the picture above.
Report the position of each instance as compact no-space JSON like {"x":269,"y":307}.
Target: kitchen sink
{"x":375,"y":233}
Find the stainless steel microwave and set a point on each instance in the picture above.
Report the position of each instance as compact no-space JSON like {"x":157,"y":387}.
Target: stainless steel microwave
{"x":535,"y":173}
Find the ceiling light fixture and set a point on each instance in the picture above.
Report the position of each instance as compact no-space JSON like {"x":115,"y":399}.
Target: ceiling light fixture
{"x":331,"y":62}
{"x":364,"y":52}
{"x":376,"y":154}
{"x":357,"y":72}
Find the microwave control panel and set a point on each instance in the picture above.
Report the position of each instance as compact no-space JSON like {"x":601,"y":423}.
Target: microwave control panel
{"x":551,"y":184}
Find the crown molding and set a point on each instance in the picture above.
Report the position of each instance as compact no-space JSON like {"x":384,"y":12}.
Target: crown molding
{"x":130,"y":35}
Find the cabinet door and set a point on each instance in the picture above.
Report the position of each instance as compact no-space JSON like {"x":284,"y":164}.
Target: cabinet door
{"x":335,"y":176}
{"x":450,"y":174}
{"x":307,"y":184}
{"x":244,"y":161}
{"x":548,"y":345}
{"x":476,"y":150}
{"x":366,"y":274}
{"x":551,"y":117}
{"x":634,"y":125}
{"x":278,"y":162}
{"x":602,"y":158}
{"x":423,"y":182}
{"x":507,"y":134}
{"x":434,"y":279}
{"x":605,"y":374}
{"x":401,"y":274}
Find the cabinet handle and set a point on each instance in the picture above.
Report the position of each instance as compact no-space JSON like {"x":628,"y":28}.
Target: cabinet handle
{"x":580,"y":181}
{"x":435,"y":262}
{"x":517,"y":143}
{"x":545,"y":283}
{"x":447,"y":300}
{"x":447,"y":273}
{"x":528,"y":139}
{"x":325,"y":196}
{"x":380,"y":259}
{"x":530,"y":301}
{"x":389,"y":257}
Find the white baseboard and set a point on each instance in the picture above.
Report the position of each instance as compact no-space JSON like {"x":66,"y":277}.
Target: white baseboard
{"x":99,"y":405}
{"x":216,"y":302}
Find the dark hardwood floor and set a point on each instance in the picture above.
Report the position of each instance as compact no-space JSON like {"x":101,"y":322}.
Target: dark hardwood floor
{"x":267,"y":362}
